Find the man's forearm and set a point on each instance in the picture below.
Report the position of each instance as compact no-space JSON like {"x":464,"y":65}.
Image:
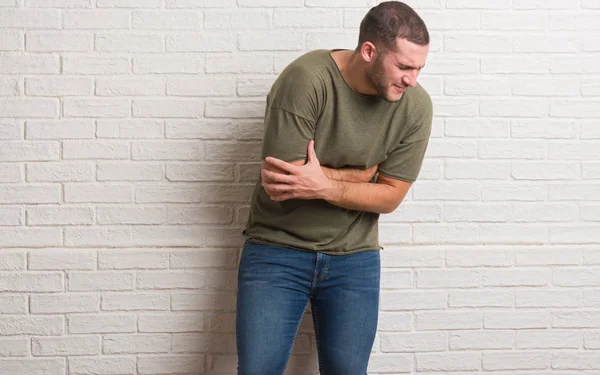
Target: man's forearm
{"x":363,"y":196}
{"x":347,"y":174}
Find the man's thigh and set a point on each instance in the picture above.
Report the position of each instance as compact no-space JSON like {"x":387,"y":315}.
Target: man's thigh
{"x":345,"y":306}
{"x":273,"y":292}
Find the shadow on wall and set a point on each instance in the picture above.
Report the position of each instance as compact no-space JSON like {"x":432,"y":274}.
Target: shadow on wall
{"x":217,"y":304}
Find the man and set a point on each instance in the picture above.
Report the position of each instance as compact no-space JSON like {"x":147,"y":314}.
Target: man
{"x":345,"y":136}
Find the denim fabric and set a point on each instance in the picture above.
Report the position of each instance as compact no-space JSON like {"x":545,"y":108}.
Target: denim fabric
{"x":275,"y":285}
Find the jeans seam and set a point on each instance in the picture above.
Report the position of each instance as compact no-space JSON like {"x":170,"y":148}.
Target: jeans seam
{"x":316,"y":323}
{"x":295,"y":337}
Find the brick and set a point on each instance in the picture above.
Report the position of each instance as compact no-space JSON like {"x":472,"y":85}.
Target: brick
{"x":435,"y":320}
{"x":205,"y":258}
{"x":102,"y":365}
{"x":447,"y":279}
{"x":199,"y":172}
{"x":96,"y":19}
{"x":31,"y":325}
{"x":130,"y":129}
{"x":36,"y":108}
{"x":566,"y":150}
{"x":448,"y":361}
{"x":544,"y":4}
{"x":200,"y":4}
{"x":31,"y":237}
{"x":130,"y":172}
{"x":92,"y":107}
{"x":11,"y":216}
{"x":235,"y":109}
{"x":12,"y":41}
{"x":95,"y":281}
{"x":33,"y":64}
{"x":192,"y":214}
{"x":58,"y":3}
{"x":125,"y":344}
{"x":130,"y":87}
{"x":517,"y":320}
{"x":533,"y":170}
{"x":549,"y":129}
{"x":169,"y":63}
{"x":98,"y":193}
{"x":10,"y":129}
{"x":271,"y":41}
{"x":135,"y":301}
{"x":176,"y":364}
{"x":172,"y":150}
{"x":132,"y":259}
{"x":9,"y":86}
{"x":59,"y":129}
{"x":61,"y":303}
{"x":413,"y":300}
{"x":413,"y":342}
{"x":533,"y":212}
{"x":12,"y":260}
{"x":130,"y":215}
{"x":476,"y":128}
{"x":241,"y":64}
{"x":203,"y":301}
{"x":514,"y":149}
{"x":12,"y":304}
{"x":59,"y":42}
{"x":473,"y":212}
{"x":66,"y":345}
{"x":207,"y":342}
{"x":516,"y":361}
{"x":30,"y":18}
{"x":166,"y":20}
{"x":480,"y":43}
{"x":129,"y":3}
{"x":205,"y":86}
{"x":514,"y":21}
{"x":535,"y":339}
{"x":33,"y":366}
{"x":105,"y":323}
{"x":31,"y":282}
{"x":160,"y":108}
{"x":547,"y":256}
{"x":180,"y":322}
{"x":460,"y":169}
{"x":59,"y":172}
{"x":95,"y":65}
{"x":61,"y":259}
{"x":231,"y":19}
{"x":201,"y":42}
{"x":481,"y":340}
{"x":30,"y":194}
{"x":14,"y":347}
{"x":132,"y":43}
{"x":548,"y":298}
{"x":472,"y":298}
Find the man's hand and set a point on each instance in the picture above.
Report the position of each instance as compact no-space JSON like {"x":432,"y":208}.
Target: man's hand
{"x":307,"y":181}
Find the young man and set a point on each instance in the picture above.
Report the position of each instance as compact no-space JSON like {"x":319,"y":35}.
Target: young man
{"x":345,"y":136}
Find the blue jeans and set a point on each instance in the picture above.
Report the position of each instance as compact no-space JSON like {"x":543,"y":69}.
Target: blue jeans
{"x":274,"y":287}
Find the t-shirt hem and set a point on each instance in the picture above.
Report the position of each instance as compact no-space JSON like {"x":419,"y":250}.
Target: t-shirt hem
{"x":328,"y":252}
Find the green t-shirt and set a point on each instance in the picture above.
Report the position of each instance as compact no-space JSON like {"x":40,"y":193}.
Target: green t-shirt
{"x":311,"y":100}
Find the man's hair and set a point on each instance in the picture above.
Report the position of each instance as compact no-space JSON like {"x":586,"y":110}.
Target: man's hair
{"x":390,"y":20}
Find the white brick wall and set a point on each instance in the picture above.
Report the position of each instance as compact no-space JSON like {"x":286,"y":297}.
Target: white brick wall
{"x":130,"y":133}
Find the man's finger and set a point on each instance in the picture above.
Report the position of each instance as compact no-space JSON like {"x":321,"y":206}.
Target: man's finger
{"x":277,"y":177}
{"x":312,"y":156}
{"x":290,"y":168}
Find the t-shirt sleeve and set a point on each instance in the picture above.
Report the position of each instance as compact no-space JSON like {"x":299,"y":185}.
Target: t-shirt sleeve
{"x":405,"y":160}
{"x":286,"y":135}
{"x":293,"y":107}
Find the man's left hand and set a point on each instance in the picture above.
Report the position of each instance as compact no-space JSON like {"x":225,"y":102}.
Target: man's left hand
{"x":301,"y":182}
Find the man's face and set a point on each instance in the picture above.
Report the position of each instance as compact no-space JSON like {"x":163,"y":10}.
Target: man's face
{"x":393,"y":71}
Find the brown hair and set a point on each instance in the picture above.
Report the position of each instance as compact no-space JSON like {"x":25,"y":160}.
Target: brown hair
{"x":390,"y":20}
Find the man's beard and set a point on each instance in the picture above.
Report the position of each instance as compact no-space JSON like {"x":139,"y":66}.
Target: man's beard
{"x":376,"y":77}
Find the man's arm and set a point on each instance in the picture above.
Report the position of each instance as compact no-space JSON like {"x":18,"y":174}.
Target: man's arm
{"x":308,"y":181}
{"x":339,"y":174}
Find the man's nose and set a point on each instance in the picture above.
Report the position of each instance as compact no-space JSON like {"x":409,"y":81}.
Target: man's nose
{"x":411,"y":78}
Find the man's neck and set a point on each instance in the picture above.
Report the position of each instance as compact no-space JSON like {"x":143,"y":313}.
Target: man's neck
{"x":352,"y":70}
